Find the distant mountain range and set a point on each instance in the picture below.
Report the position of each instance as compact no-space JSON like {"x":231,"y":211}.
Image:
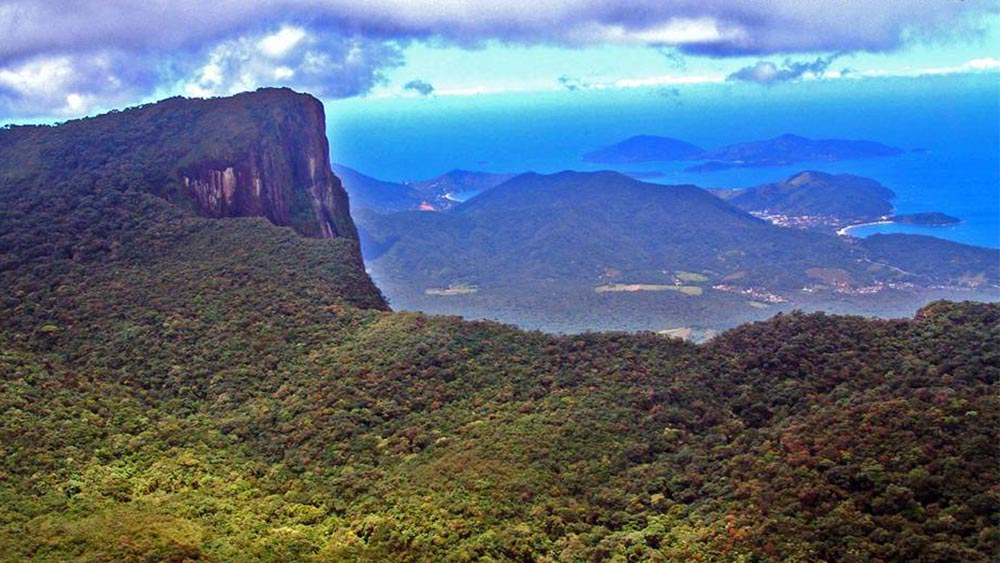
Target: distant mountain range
{"x":600,"y":250}
{"x":459,"y":185}
{"x":370,"y":194}
{"x":779,"y":151}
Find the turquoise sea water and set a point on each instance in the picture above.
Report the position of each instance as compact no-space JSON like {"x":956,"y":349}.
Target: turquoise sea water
{"x":950,"y":125}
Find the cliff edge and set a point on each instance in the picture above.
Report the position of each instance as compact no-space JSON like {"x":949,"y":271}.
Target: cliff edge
{"x":148,"y":185}
{"x":257,"y":154}
{"x":283,"y":173}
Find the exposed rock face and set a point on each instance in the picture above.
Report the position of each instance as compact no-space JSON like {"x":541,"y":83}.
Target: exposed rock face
{"x":260,"y":153}
{"x":130,"y":184}
{"x":283,"y":173}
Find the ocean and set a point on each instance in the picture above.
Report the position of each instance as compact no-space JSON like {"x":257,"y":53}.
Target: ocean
{"x":950,"y":126}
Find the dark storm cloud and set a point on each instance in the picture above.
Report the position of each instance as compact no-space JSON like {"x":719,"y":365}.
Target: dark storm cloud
{"x":420,"y":87}
{"x":766,"y":72}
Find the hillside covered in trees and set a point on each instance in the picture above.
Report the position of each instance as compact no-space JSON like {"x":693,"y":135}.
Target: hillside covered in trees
{"x":182,"y":388}
{"x":577,"y":251}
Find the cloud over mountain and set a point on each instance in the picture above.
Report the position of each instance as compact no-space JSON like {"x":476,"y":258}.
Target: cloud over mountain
{"x":326,"y":64}
{"x":339,"y":48}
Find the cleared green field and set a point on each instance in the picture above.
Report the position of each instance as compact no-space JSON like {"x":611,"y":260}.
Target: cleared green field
{"x":629,"y":287}
{"x":690,"y":276}
{"x":452,"y":290}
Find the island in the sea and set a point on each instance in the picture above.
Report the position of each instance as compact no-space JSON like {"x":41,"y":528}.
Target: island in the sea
{"x":645,"y":148}
{"x":779,"y":151}
{"x":931,"y":219}
{"x":825,"y":202}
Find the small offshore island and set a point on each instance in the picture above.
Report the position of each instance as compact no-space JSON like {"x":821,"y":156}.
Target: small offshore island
{"x":930,"y":219}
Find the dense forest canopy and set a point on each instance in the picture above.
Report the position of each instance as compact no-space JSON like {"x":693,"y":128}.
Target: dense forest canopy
{"x":177,"y":388}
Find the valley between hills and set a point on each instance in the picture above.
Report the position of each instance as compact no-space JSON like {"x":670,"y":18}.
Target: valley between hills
{"x":195,"y":366}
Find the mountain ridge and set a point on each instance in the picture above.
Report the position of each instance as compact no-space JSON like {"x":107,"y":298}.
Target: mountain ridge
{"x":179,"y":388}
{"x":547,"y":243}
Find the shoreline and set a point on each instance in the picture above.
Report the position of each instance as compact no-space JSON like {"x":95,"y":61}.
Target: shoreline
{"x":846,"y":231}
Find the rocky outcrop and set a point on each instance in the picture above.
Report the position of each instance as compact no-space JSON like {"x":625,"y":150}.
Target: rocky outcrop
{"x":282,"y":172}
{"x":260,"y":153}
{"x":128,"y":187}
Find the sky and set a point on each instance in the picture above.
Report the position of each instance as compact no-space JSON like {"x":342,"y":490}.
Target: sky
{"x":61,"y":59}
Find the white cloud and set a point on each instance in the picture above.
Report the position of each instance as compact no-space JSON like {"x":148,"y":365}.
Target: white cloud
{"x":983,"y":64}
{"x":38,"y":77}
{"x":470,"y":91}
{"x":667,"y":80}
{"x":676,"y":31}
{"x":283,"y":73}
{"x":987,"y":64}
{"x":69,"y":85}
{"x":122,"y":51}
{"x":717,"y":27}
{"x":279,"y":44}
{"x":974,"y":65}
{"x":324,"y":64}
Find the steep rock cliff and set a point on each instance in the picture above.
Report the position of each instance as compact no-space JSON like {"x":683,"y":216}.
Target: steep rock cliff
{"x":131,"y":188}
{"x":260,"y":153}
{"x":282,"y":173}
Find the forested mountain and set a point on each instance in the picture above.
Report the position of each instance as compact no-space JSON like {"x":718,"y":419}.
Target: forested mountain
{"x":373,"y":195}
{"x":574,"y":227}
{"x":575,"y":251}
{"x":847,"y":197}
{"x":645,"y":148}
{"x":788,"y":149}
{"x":262,"y":154}
{"x":457,"y":186}
{"x":181,"y":388}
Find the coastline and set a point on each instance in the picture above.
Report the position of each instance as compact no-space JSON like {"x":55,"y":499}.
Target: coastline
{"x":846,"y":231}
